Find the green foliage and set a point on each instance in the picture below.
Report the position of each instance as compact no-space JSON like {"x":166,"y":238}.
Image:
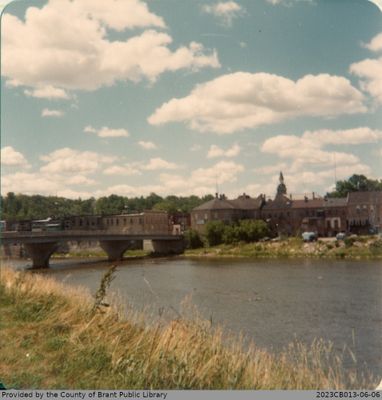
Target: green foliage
{"x":376,"y":247}
{"x":214,"y":232}
{"x":20,"y":206}
{"x":356,"y":183}
{"x":193,"y":239}
{"x":246,"y":230}
{"x":349,"y":242}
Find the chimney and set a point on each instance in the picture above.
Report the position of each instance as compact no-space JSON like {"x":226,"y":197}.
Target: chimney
{"x":306,"y":199}
{"x":313,"y":195}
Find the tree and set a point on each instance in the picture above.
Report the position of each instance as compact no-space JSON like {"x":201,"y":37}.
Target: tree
{"x":356,"y":183}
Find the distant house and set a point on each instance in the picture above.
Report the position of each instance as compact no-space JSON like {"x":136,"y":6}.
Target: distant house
{"x":359,"y":212}
{"x":217,"y":209}
{"x":364,"y":212}
{"x":335,"y":215}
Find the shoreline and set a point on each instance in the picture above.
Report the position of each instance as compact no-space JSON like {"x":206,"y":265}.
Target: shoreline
{"x":362,"y":248}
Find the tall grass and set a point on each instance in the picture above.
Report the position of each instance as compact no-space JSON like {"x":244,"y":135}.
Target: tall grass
{"x":52,"y":337}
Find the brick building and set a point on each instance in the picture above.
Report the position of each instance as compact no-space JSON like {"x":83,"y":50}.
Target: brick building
{"x":228,"y":211}
{"x":359,"y":212}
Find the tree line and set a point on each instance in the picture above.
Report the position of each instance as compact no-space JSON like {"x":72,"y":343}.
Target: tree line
{"x":21,"y":206}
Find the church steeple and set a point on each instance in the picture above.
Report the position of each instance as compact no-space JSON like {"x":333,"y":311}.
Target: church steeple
{"x":281,"y":188}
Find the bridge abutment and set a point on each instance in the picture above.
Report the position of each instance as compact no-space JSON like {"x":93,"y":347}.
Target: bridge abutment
{"x":115,"y":248}
{"x":40,"y":253}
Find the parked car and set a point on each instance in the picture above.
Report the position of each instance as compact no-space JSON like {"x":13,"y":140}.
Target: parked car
{"x":309,"y":236}
{"x":341,"y":236}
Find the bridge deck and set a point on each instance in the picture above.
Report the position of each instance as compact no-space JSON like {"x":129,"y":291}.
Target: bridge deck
{"x":58,"y":236}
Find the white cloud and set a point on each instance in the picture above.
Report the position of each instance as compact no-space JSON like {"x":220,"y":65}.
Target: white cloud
{"x":222,"y":172}
{"x":147,"y":145}
{"x":158,"y":163}
{"x":308,"y":150}
{"x":375,"y":44}
{"x":226,"y":11}
{"x":39,"y":183}
{"x":106,"y":132}
{"x":46,"y":112}
{"x":79,"y":56}
{"x":126,"y":170}
{"x":12,"y":158}
{"x":242,"y":100}
{"x":288,"y":3}
{"x":80,"y":180}
{"x":216,"y":151}
{"x":370,"y":70}
{"x":48,"y":92}
{"x":68,"y":160}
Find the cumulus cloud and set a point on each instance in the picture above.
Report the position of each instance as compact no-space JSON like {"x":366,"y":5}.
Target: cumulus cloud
{"x":147,"y":145}
{"x":243,"y":100}
{"x":48,"y":92}
{"x":158,"y":163}
{"x":12,"y":158}
{"x":46,"y":112}
{"x":216,"y":151}
{"x":124,"y":170}
{"x":287,"y":3}
{"x":67,"y":160}
{"x":80,"y":56}
{"x":41,"y":183}
{"x":308,"y":150}
{"x":225,"y":11}
{"x":222,"y":172}
{"x":370,"y":70}
{"x":106,"y":132}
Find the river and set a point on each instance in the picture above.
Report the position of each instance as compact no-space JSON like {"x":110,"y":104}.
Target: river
{"x":272,"y":302}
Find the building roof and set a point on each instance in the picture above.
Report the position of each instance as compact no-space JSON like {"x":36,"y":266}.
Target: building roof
{"x":308,"y":203}
{"x":216,"y":204}
{"x":245,"y":202}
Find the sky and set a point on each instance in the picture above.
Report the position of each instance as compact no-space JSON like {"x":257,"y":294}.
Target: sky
{"x":182,"y":97}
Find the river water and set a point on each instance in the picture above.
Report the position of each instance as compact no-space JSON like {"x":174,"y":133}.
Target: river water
{"x":272,"y":302}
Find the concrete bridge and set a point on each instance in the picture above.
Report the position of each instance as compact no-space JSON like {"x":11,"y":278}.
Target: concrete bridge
{"x":41,"y":245}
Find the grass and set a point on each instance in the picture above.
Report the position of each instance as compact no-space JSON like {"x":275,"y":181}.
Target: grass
{"x":362,"y":247}
{"x":53,"y":337}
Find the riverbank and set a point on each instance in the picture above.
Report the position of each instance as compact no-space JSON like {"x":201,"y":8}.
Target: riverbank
{"x":363,"y":247}
{"x":52,"y":337}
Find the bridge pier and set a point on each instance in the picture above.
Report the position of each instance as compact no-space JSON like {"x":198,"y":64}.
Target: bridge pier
{"x":168,"y":246}
{"x":40,"y":253}
{"x":115,"y":248}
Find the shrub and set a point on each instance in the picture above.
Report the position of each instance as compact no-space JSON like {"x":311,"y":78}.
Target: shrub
{"x":252,"y":231}
{"x":349,"y":242}
{"x":193,"y":239}
{"x":376,"y":247}
{"x":214,"y":232}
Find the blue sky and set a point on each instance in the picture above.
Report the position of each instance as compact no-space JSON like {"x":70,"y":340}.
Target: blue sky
{"x":180,"y":96}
